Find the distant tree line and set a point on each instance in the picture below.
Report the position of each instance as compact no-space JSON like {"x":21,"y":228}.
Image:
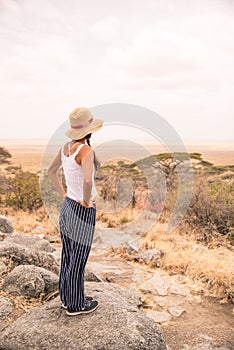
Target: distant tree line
{"x":211,"y":208}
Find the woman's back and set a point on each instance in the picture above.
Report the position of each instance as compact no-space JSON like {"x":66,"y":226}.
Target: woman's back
{"x":73,"y":172}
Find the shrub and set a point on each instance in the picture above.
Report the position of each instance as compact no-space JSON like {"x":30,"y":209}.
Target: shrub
{"x":23,"y":192}
{"x":212,"y":206}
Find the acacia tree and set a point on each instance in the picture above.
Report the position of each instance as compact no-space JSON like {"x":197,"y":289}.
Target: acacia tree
{"x":5,"y":156}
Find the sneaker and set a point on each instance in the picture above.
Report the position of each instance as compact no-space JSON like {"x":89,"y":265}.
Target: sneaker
{"x":86,"y":310}
{"x":87,"y":298}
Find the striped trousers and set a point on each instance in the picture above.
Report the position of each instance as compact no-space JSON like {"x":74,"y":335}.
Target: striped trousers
{"x":77,"y":225}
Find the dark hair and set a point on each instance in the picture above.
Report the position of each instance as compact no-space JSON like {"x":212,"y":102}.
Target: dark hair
{"x":87,"y":138}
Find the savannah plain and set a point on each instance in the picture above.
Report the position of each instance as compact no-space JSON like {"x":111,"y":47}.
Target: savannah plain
{"x":205,"y":259}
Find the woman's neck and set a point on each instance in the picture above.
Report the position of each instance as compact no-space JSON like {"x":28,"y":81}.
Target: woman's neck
{"x":74,"y":141}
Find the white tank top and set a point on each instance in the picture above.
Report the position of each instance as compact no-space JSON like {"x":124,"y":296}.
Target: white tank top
{"x":74,"y":175}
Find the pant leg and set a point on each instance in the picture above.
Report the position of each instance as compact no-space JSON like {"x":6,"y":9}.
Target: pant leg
{"x":77,"y":227}
{"x":65,"y":254}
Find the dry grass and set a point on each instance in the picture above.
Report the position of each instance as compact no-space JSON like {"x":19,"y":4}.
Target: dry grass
{"x":210,"y":270}
{"x":26,"y":223}
{"x":117,"y":219}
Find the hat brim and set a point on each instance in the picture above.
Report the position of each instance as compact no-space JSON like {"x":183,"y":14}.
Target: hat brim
{"x":77,"y":134}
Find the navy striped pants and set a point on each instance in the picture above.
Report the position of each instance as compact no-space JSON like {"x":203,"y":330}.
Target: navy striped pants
{"x":77,"y":225}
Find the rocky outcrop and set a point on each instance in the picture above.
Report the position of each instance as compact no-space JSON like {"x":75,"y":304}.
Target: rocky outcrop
{"x":31,"y":242}
{"x":19,"y":255}
{"x":116,"y":324}
{"x":30,"y":281}
{"x":5,"y":225}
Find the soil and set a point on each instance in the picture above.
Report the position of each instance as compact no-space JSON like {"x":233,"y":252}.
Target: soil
{"x":206,"y":325}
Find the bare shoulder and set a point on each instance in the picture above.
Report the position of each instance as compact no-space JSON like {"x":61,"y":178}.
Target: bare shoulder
{"x":85,"y":150}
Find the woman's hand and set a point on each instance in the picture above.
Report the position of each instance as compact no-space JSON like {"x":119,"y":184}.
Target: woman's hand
{"x":92,"y":202}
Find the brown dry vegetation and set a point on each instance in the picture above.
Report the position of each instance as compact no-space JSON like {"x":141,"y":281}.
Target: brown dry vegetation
{"x":210,"y":268}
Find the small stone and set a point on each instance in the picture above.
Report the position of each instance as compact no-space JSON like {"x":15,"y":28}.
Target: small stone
{"x":175,"y":289}
{"x":130,"y":248}
{"x":162,"y":291}
{"x":5,"y":225}
{"x":38,"y":229}
{"x":155,"y":285}
{"x":159,"y":316}
{"x":2,"y":236}
{"x":89,"y":276}
{"x":160,"y":300}
{"x":53,"y":239}
{"x":176,"y":310}
{"x":148,"y":255}
{"x":179,"y":278}
{"x":198,"y":248}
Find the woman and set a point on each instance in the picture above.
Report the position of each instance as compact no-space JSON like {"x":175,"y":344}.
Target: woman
{"x":78,"y":212}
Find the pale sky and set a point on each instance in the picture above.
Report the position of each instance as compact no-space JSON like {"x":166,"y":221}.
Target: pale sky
{"x":173,"y":57}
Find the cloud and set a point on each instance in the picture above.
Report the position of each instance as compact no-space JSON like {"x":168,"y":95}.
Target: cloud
{"x":174,"y":57}
{"x":106,"y":28}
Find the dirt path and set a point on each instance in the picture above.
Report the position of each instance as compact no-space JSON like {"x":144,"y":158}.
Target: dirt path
{"x":205,"y":324}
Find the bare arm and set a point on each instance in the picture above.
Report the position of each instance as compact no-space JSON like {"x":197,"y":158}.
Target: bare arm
{"x":53,"y":174}
{"x":87,"y":165}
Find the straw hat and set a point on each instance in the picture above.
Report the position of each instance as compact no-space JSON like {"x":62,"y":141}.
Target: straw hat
{"x":82,"y":123}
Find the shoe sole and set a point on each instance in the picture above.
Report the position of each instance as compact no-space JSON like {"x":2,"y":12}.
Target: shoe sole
{"x":81,"y":312}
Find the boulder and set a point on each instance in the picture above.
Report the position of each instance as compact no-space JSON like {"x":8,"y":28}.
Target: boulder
{"x":30,"y":281}
{"x":30,"y":241}
{"x":24,"y":256}
{"x":116,"y":324}
{"x":5,"y":225}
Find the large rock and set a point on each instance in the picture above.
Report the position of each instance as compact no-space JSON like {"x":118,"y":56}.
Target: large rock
{"x":31,"y":242}
{"x":116,"y":324}
{"x":5,"y":225}
{"x":24,"y":256}
{"x":30,"y":281}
